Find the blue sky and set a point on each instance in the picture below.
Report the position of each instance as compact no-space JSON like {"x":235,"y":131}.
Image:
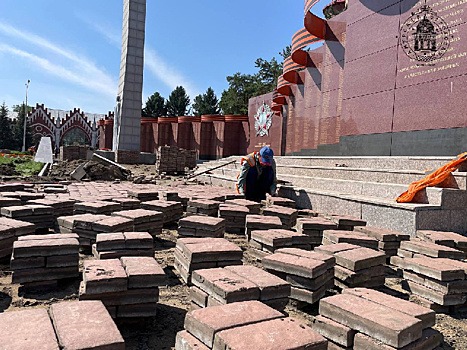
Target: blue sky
{"x":70,"y":50}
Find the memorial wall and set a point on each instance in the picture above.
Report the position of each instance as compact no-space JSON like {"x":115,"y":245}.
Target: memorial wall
{"x":389,"y":79}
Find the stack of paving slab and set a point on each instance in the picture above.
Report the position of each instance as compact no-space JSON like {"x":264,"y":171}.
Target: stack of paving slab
{"x":203,"y":207}
{"x":201,"y":226}
{"x":9,"y":202}
{"x":416,"y":248}
{"x":144,"y":195}
{"x":245,"y":325}
{"x":143,"y":220}
{"x":219,"y":286}
{"x":356,"y":266}
{"x":10,"y":230}
{"x":283,"y":202}
{"x":167,"y":158}
{"x":97,"y":207}
{"x":351,"y":237}
{"x":128,"y":287}
{"x":365,"y":319}
{"x":234,"y":216}
{"x":39,"y":215}
{"x":288,"y":216}
{"x":448,"y":239}
{"x":388,"y":241}
{"x":311,"y":274}
{"x":253,"y":207}
{"x":171,"y":211}
{"x":438,"y":282}
{"x":314,"y":228}
{"x":87,"y":226}
{"x":127,"y":203}
{"x":265,"y":242}
{"x":44,"y":259}
{"x":172,"y":196}
{"x":23,"y":196}
{"x":345,"y":222}
{"x":260,"y":222}
{"x":203,"y":253}
{"x":61,"y":206}
{"x":67,"y":325}
{"x":117,"y":245}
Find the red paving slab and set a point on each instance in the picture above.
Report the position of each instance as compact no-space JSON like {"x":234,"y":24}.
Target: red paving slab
{"x":280,"y":334}
{"x":360,"y":258}
{"x":205,"y":323}
{"x":85,"y":325}
{"x":294,"y":265}
{"x":27,"y":329}
{"x":143,"y":272}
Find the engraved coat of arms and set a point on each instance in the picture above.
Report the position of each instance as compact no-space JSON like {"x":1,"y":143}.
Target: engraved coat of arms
{"x":263,"y":120}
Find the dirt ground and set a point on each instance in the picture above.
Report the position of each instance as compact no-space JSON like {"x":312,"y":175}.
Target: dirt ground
{"x":158,"y":333}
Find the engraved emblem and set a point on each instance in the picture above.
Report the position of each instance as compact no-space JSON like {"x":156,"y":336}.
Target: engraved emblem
{"x":263,"y":120}
{"x":425,"y":36}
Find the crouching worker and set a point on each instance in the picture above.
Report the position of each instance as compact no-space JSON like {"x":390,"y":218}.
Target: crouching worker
{"x":257,"y":175}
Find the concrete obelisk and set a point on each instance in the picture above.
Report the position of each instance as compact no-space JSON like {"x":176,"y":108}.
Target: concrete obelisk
{"x":127,"y":120}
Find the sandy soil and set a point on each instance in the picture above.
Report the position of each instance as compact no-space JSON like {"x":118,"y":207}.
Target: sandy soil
{"x":159,"y":332}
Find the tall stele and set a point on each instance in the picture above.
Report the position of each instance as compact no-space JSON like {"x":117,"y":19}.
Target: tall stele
{"x":425,"y":36}
{"x":263,"y":120}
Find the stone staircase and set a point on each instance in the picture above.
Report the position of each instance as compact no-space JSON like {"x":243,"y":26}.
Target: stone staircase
{"x":365,"y":187}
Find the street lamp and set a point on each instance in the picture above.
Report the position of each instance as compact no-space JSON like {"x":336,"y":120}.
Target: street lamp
{"x":25,"y":117}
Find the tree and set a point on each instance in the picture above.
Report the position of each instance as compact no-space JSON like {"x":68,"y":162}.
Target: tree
{"x":268,"y":73}
{"x":242,"y":87}
{"x":155,"y":106}
{"x":6,"y":139}
{"x":286,"y":52}
{"x":177,"y":103}
{"x":206,"y":103}
{"x":18,"y":128}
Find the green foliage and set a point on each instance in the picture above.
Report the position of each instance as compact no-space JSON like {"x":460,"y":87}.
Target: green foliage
{"x":206,"y":103}
{"x":18,"y":128}
{"x":177,"y":103}
{"x":6,"y":137}
{"x":242,"y":87}
{"x":25,"y":166}
{"x":155,"y":106}
{"x":286,"y":52}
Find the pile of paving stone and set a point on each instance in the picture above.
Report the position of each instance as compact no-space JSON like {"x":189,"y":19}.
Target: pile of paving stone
{"x":171,"y":159}
{"x":234,"y":216}
{"x":87,"y":226}
{"x":288,"y":216}
{"x":416,"y":248}
{"x":203,"y":253}
{"x":311,"y":274}
{"x":39,"y":215}
{"x":179,"y":196}
{"x":143,"y":195}
{"x":265,"y":242}
{"x":172,"y":211}
{"x":314,"y":228}
{"x":67,"y":325}
{"x":23,"y":196}
{"x":128,"y":287}
{"x":96,"y":207}
{"x":203,"y":207}
{"x":61,"y":206}
{"x":201,"y":226}
{"x":10,"y":230}
{"x":351,"y":237}
{"x":367,"y":319}
{"x":44,"y":259}
{"x":448,"y":239}
{"x":117,"y":245}
{"x":143,"y":220}
{"x":345,"y":222}
{"x":127,"y":203}
{"x":389,"y":241}
{"x":356,"y":266}
{"x":218,"y":286}
{"x":439,"y":282}
{"x":260,"y":222}
{"x":245,"y":325}
{"x":253,"y":207}
{"x":9,"y":202}
{"x":281,"y":201}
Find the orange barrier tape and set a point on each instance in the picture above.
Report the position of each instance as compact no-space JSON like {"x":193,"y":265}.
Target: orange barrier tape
{"x":433,"y":179}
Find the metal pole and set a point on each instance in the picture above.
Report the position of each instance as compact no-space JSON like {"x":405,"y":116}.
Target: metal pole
{"x":25,"y":117}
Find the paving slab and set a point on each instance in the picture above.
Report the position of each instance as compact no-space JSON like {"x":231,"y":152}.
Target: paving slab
{"x":85,"y":325}
{"x":392,"y":327}
{"x":294,"y":265}
{"x":104,"y":276}
{"x":430,"y":339}
{"x":335,"y":248}
{"x":334,"y":331}
{"x":432,"y":249}
{"x":360,"y":258}
{"x":204,"y":324}
{"x":143,"y":272}
{"x":279,"y":334}
{"x":185,"y":341}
